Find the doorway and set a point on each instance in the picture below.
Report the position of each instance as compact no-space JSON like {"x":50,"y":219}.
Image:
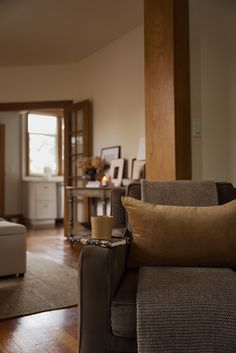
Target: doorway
{"x":16,"y":168}
{"x":75,"y":115}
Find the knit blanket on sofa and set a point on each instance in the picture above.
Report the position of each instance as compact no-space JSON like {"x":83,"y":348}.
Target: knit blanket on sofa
{"x":190,"y":310}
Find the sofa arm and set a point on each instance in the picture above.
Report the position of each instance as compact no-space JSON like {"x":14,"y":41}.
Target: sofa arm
{"x":100,"y":271}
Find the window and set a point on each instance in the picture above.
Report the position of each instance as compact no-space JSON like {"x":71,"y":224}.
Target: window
{"x":44,"y":144}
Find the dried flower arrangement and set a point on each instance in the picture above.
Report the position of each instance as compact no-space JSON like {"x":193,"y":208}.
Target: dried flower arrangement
{"x":92,"y":167}
{"x":89,"y":163}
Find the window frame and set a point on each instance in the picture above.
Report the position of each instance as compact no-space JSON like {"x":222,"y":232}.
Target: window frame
{"x":59,"y":117}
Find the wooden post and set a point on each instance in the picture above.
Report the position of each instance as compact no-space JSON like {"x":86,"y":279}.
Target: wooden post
{"x":167,"y":89}
{"x":2,"y":169}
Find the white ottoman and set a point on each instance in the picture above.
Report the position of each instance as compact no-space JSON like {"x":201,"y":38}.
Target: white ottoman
{"x":12,"y":248}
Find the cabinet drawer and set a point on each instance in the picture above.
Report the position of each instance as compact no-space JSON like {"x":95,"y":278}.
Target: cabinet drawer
{"x":46,"y":191}
{"x":45,"y":209}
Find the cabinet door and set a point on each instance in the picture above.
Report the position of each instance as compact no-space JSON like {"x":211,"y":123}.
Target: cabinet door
{"x":77,"y":145}
{"x":46,"y":209}
{"x":46,"y":191}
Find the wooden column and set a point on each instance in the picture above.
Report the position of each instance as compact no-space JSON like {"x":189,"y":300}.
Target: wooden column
{"x":167,"y":89}
{"x":2,"y":168}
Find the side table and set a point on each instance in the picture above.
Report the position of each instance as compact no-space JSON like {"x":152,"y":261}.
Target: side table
{"x":101,"y":193}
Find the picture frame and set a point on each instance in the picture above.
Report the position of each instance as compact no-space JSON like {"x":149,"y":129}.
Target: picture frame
{"x":108,"y":154}
{"x":138,"y":169}
{"x":116,"y":171}
{"x":132,"y":167}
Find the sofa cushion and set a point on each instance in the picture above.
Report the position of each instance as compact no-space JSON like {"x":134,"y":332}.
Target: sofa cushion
{"x":182,"y":235}
{"x":9,"y":228}
{"x":123,"y":306}
{"x":180,"y":192}
{"x":186,"y":310}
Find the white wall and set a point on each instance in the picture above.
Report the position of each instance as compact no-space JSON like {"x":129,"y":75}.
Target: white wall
{"x":212,"y":56}
{"x":112,"y":78}
{"x":115,"y":81}
{"x":13,"y":195}
{"x":195,"y":83}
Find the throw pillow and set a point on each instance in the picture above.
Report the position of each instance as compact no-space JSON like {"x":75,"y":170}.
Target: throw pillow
{"x":181,"y":235}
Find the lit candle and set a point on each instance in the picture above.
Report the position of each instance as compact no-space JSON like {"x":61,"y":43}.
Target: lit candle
{"x":104,"y":181}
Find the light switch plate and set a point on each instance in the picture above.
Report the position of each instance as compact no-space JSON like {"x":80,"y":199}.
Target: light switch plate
{"x":197,"y":128}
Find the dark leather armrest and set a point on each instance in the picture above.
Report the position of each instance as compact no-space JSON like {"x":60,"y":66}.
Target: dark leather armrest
{"x":100,"y":271}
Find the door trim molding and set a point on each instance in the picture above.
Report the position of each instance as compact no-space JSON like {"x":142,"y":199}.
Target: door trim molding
{"x":17,"y":106}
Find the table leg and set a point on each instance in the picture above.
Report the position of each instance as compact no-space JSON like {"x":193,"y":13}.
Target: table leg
{"x":104,"y":204}
{"x":104,"y":207}
{"x":93,"y":206}
{"x":74,"y":213}
{"x":70,"y":215}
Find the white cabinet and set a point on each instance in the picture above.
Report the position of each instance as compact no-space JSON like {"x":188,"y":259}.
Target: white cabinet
{"x":40,"y":203}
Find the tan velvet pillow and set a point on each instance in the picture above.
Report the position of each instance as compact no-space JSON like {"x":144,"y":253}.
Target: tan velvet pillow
{"x":181,"y":236}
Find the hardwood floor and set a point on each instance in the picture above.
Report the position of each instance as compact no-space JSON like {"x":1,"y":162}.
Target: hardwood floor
{"x":52,"y":331}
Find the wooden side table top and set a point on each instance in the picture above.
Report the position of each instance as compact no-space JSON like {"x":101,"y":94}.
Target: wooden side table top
{"x":96,"y":192}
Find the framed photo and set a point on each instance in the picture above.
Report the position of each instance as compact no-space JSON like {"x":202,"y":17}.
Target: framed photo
{"x":132,"y":167}
{"x":138,"y":170}
{"x":116,"y":171}
{"x":108,"y":154}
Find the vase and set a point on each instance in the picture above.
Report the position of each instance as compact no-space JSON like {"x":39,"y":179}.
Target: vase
{"x":91,"y":174}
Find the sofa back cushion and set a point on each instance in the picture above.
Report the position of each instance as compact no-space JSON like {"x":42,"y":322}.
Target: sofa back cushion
{"x":181,"y":235}
{"x":180,"y":192}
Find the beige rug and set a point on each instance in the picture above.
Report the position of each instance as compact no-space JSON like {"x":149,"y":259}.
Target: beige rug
{"x":45,"y":286}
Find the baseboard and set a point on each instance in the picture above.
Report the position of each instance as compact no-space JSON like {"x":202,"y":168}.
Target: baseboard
{"x":17,"y":218}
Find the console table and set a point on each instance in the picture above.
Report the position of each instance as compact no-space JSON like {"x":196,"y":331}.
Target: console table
{"x":73,"y":192}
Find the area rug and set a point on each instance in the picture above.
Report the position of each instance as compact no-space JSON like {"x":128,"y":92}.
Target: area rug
{"x":45,"y":286}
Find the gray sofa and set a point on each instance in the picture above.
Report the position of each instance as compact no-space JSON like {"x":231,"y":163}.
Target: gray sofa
{"x":108,"y":290}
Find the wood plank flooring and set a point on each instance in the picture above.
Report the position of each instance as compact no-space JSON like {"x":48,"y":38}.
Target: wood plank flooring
{"x":52,"y":331}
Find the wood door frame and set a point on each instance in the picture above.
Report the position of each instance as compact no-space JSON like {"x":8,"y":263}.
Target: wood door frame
{"x":17,"y":106}
{"x":85,"y":106}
